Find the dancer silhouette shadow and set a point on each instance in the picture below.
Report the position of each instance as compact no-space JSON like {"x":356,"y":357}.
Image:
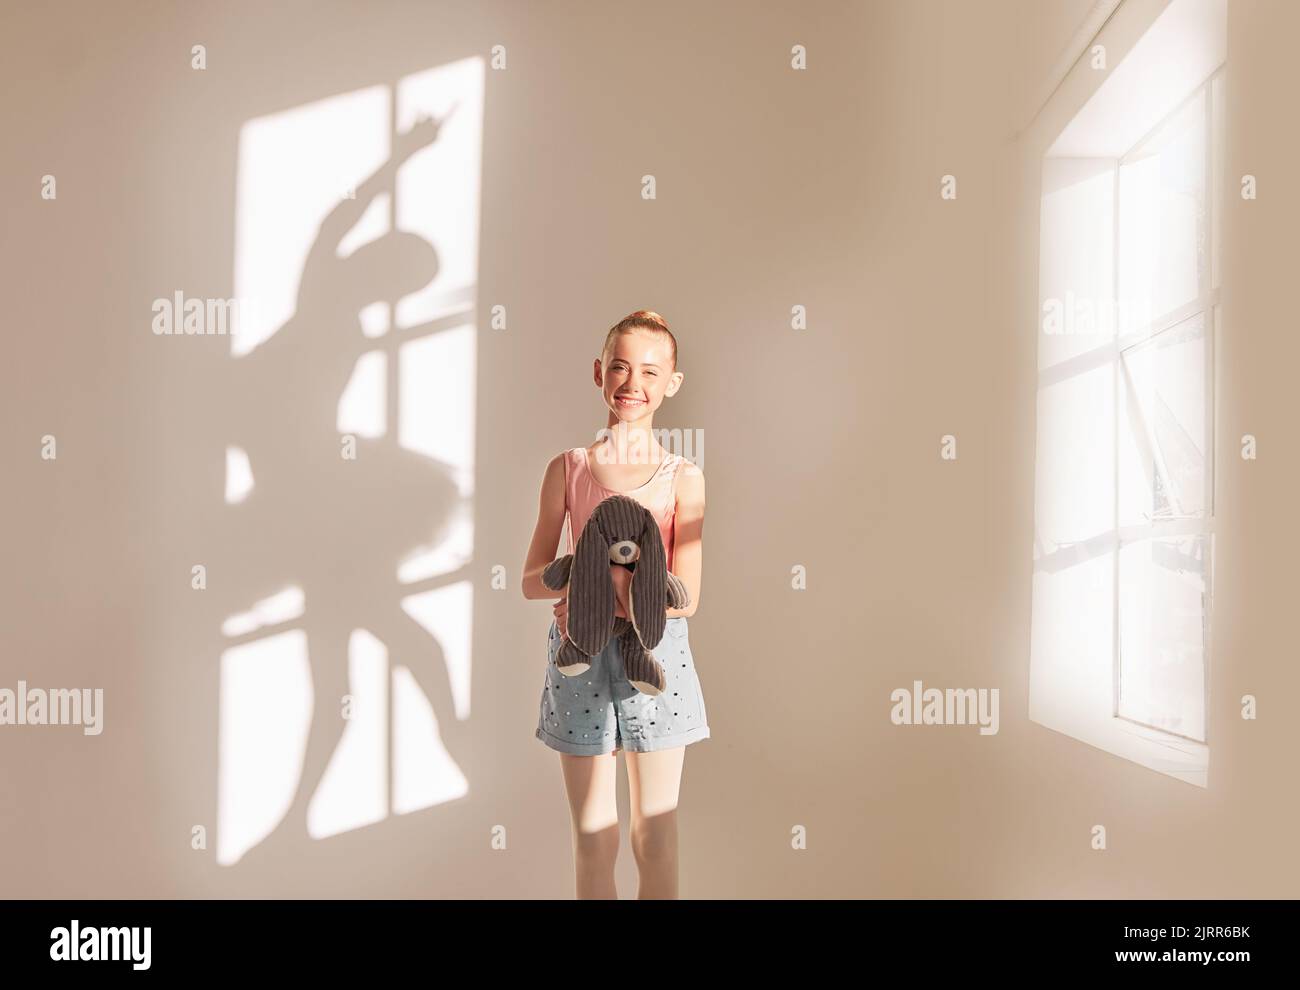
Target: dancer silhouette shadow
{"x":338,"y":527}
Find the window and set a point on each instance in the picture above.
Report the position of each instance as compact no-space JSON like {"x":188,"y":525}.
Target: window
{"x":1124,"y":470}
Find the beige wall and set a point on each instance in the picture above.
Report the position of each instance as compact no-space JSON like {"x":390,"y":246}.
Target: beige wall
{"x":775,"y":189}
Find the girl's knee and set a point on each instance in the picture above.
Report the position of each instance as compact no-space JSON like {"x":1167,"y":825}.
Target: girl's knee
{"x":654,"y":839}
{"x":597,"y":847}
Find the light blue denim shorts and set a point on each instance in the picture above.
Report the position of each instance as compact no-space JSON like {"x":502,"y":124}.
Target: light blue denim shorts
{"x":600,"y":711}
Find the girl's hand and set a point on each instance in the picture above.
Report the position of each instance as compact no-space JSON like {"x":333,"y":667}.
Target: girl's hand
{"x":622,"y":580}
{"x":562,"y":615}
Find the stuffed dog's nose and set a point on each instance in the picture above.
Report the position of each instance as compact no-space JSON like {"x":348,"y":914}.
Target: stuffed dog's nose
{"x":624,"y":552}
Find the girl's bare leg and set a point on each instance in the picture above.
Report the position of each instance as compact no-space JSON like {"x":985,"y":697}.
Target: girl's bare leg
{"x":654,"y":781}
{"x":593,"y":807}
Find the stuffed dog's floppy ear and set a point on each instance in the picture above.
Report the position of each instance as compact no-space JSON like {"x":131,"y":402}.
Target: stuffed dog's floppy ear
{"x":678,"y":596}
{"x":591,"y":596}
{"x":648,"y":595}
{"x":555,"y":575}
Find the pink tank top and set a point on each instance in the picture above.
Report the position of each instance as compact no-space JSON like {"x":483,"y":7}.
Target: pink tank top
{"x":582,"y":493}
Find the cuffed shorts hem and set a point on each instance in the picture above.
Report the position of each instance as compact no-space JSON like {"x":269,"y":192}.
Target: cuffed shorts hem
{"x":666,"y":742}
{"x":695,"y":735}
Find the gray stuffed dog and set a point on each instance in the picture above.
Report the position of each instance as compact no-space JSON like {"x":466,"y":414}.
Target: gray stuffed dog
{"x":620,"y":532}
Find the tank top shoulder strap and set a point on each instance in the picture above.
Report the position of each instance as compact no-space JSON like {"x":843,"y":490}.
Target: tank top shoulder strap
{"x":570,"y":481}
{"x":674,"y":469}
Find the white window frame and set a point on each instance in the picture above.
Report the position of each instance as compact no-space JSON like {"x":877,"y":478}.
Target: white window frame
{"x":1091,"y":126}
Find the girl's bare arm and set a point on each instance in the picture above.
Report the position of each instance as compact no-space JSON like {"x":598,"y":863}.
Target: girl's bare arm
{"x":688,"y":536}
{"x":546,"y":534}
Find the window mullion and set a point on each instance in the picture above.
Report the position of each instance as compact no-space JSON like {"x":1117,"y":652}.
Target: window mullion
{"x":1115,"y":404}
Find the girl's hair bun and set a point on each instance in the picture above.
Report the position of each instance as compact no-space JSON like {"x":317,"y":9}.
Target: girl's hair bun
{"x":647,"y":314}
{"x":642,"y":319}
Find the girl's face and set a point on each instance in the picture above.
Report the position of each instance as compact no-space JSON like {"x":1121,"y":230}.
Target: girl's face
{"x":637,"y":375}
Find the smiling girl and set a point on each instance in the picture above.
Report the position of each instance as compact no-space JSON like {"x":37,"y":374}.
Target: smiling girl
{"x":588,"y":718}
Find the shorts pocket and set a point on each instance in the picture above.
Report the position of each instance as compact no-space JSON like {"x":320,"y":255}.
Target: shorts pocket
{"x":683,"y":692}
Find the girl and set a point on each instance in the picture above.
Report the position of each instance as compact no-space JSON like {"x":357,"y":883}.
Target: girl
{"x":588,"y":718}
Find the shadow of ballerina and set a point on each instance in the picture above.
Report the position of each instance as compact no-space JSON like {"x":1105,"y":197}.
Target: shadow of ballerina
{"x":337,"y":526}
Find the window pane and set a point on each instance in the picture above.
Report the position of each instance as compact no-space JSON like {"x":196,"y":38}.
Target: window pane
{"x":1162,"y":236}
{"x":1076,"y":259}
{"x":1162,"y":611}
{"x":1164,"y":428}
{"x":1074,"y":490}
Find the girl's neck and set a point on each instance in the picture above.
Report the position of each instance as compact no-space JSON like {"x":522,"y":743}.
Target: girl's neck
{"x":625,"y":443}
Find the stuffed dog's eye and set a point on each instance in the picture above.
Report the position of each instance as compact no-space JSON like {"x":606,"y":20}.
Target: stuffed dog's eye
{"x":624,"y":552}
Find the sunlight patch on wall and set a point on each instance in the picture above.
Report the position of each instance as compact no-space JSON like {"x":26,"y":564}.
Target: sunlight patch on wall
{"x":293,"y":166}
{"x":438,"y":375}
{"x":354,"y":790}
{"x":284,"y":606}
{"x":383,"y":349}
{"x":441,"y":612}
{"x":362,"y":410}
{"x":424,"y":774}
{"x":239,"y":475}
{"x":265,"y":711}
